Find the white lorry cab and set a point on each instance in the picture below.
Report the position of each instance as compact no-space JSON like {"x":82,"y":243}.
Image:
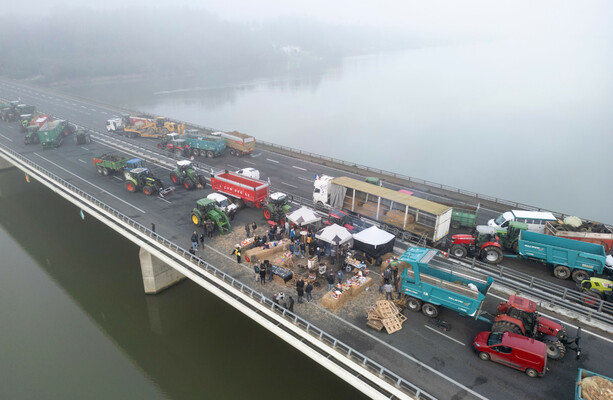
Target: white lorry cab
{"x":535,"y":220}
{"x":224,"y":204}
{"x":114,"y":124}
{"x":249,"y":172}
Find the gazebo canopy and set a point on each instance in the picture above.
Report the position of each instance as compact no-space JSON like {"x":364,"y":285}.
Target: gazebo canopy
{"x":374,"y":241}
{"x":303,"y":216}
{"x":334,"y":234}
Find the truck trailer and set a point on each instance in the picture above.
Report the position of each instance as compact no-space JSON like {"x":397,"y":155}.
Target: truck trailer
{"x":404,"y":215}
{"x":587,"y":232}
{"x":204,"y":145}
{"x":239,"y":144}
{"x":246,"y":191}
{"x":52,"y":133}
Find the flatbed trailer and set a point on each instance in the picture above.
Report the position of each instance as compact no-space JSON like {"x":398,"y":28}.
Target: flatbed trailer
{"x":247,"y":191}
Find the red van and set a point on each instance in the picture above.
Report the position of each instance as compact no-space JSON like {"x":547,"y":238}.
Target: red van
{"x":513,"y":350}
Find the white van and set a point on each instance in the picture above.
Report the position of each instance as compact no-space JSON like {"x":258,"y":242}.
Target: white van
{"x":535,"y":220}
{"x":249,"y":172}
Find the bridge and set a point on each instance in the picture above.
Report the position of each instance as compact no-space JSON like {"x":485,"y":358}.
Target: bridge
{"x":400,"y":367}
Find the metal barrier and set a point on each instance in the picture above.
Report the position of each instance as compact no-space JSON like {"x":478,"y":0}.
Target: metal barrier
{"x":176,"y":251}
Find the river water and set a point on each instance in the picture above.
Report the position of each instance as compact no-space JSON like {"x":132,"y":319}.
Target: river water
{"x":76,"y":323}
{"x":529,"y":124}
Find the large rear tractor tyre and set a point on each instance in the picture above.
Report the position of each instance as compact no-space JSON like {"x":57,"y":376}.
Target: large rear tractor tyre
{"x":240,"y":203}
{"x":88,"y":139}
{"x":532,"y":373}
{"x":131,"y":186}
{"x":164,"y":131}
{"x":555,"y":350}
{"x":196,"y":220}
{"x":267,"y":214}
{"x":591,"y":297}
{"x":458,"y":251}
{"x":516,"y":247}
{"x":413,"y":304}
{"x":105,"y":171}
{"x":99,"y":169}
{"x":580,"y":275}
{"x":210,"y":154}
{"x":148,"y":190}
{"x":492,"y":255}
{"x":506,"y":326}
{"x":174,"y":178}
{"x":561,"y":272}
{"x":202,"y":181}
{"x":430,"y":310}
{"x":188,"y":184}
{"x":484,"y":356}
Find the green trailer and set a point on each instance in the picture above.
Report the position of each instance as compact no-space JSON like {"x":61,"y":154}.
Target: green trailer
{"x":109,"y":163}
{"x":465,"y":217}
{"x":52,"y":133}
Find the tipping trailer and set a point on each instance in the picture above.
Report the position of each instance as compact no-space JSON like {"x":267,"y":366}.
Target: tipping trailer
{"x":238,"y":143}
{"x":567,"y":257}
{"x":247,"y":191}
{"x":581,"y":392}
{"x":35,"y":124}
{"x":464,"y":217}
{"x":52,"y":133}
{"x":431,"y":282}
{"x":404,"y":215}
{"x":604,"y":236}
{"x":107,"y":164}
{"x":204,"y":145}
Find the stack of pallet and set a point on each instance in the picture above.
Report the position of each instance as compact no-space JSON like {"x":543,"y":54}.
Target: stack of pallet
{"x":385,"y":315}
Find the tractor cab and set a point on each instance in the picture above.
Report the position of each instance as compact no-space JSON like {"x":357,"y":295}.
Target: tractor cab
{"x":134,"y":163}
{"x":140,"y":174}
{"x":523,"y":310}
{"x":183,"y":166}
{"x":125,"y":120}
{"x":278,"y":199}
{"x":206,"y":205}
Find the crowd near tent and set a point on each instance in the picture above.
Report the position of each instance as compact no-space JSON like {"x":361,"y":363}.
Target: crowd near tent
{"x":374,"y":242}
{"x":303,"y":216}
{"x":334,"y":234}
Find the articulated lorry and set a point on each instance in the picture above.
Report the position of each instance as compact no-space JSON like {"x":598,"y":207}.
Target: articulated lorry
{"x":404,"y":215}
{"x":430,"y":282}
{"x":204,"y":145}
{"x":239,"y":144}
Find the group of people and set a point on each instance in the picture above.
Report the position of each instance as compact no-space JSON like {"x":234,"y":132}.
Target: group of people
{"x":262,"y":270}
{"x":390,"y":280}
{"x":208,"y":229}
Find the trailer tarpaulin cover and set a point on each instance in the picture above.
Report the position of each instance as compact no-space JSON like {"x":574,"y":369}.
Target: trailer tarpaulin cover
{"x":303,"y":216}
{"x":334,"y":234}
{"x":337,"y":195}
{"x":374,"y":242}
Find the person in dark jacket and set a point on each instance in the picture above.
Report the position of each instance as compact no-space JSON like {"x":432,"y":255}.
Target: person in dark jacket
{"x":290,"y":304}
{"x":262,"y":274}
{"x":253,"y":228}
{"x":300,"y":289}
{"x":302,"y":248}
{"x":247,"y":231}
{"x":330,"y":280}
{"x":308,"y":289}
{"x":268,"y":270}
{"x":237,"y":252}
{"x":195,"y":241}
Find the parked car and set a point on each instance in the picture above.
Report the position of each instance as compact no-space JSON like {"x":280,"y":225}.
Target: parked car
{"x":513,"y":350}
{"x":249,"y":172}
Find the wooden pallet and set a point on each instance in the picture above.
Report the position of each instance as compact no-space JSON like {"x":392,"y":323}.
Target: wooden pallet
{"x":387,"y":309}
{"x":392,"y":324}
{"x":377,"y":325}
{"x":372,"y":314}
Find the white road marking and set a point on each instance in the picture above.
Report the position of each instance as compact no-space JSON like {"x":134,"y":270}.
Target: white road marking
{"x":85,"y":148}
{"x":7,"y":138}
{"x":304,"y":179}
{"x":249,"y":162}
{"x":301,"y":169}
{"x":448,"y":337}
{"x":287,"y":184}
{"x":566,"y":323}
{"x":233,"y":166}
{"x":88,"y":182}
{"x":164,"y":200}
{"x":275,"y":161}
{"x":84,"y":162}
{"x":118,"y":178}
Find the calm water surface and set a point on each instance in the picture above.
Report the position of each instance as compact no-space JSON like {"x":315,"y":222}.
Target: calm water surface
{"x":530,"y":124}
{"x":76,"y":323}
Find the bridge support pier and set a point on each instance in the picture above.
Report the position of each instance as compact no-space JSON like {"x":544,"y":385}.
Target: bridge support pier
{"x":157,"y":276}
{"x":5,"y":164}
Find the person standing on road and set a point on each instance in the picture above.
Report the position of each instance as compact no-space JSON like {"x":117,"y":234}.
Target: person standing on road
{"x":340,"y":276}
{"x":268,"y":270}
{"x":300,"y":289}
{"x":204,"y":229}
{"x":388,"y":291}
{"x":308,"y":289}
{"x":302,"y":248}
{"x":253,"y":228}
{"x":290,"y":304}
{"x":262,"y":274}
{"x":237,"y":252}
{"x":330,"y":280}
{"x":292,"y":234}
{"x":195,"y":241}
{"x":256,"y":269}
{"x":287,"y":226}
{"x":247,"y":231}
{"x":210,"y":227}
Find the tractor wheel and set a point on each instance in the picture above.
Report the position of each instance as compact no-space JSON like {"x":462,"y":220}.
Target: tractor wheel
{"x":580,"y":275}
{"x":532,"y":373}
{"x":164,"y":131}
{"x":492,"y":255}
{"x":249,"y":204}
{"x":174,"y":177}
{"x":561,"y":272}
{"x":210,"y":154}
{"x":459,"y":251}
{"x":516,"y":246}
{"x":455,"y":225}
{"x":232,"y":152}
{"x":179,"y":152}
{"x":202,"y":181}
{"x":591,"y":297}
{"x":149,"y":131}
{"x":189,"y":185}
{"x":267,"y":214}
{"x":99,"y":169}
{"x":196,"y":220}
{"x":282,"y":222}
{"x":88,"y":138}
{"x":130,"y":186}
{"x":76,"y":139}
{"x":414,"y":304}
{"x":105,"y":171}
{"x":555,"y":350}
{"x":430,"y":310}
{"x":484,"y":356}
{"x":195,"y":152}
{"x":148,"y":190}
{"x":506,"y":326}
{"x":240,"y":203}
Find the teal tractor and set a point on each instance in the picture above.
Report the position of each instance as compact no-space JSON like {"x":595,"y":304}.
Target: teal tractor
{"x":207,"y":209}
{"x":187,"y":176}
{"x":142,"y":179}
{"x":277,"y":207}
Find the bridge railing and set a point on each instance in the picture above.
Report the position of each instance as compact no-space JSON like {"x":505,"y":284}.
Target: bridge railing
{"x":178,"y":253}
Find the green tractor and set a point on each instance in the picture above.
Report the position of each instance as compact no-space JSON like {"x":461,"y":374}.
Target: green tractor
{"x":277,"y":207}
{"x":81,"y":136}
{"x":142,"y":179}
{"x":31,"y":135}
{"x":185,"y":175}
{"x":207,"y":209}
{"x":10,"y":112}
{"x":509,"y":237}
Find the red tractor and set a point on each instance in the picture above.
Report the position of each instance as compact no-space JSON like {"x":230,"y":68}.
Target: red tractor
{"x":519,"y":315}
{"x":484,"y":243}
{"x":174,"y":144}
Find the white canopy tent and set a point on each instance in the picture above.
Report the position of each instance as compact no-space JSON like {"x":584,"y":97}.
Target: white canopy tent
{"x":303,"y":216}
{"x":334,"y":234}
